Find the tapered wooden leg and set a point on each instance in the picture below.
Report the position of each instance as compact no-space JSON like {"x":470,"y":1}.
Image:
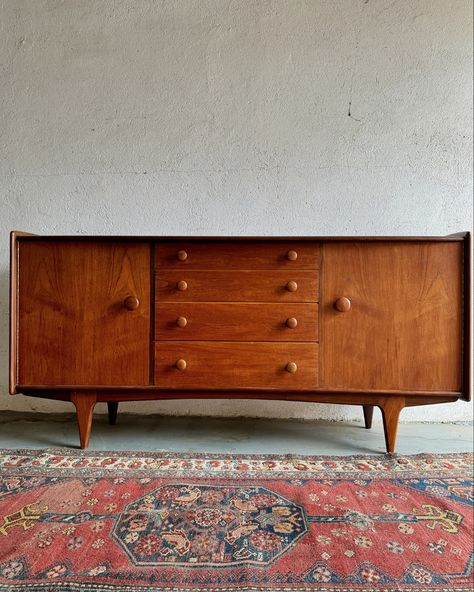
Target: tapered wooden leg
{"x":368,"y":414}
{"x":391,"y":407}
{"x":112,"y":407}
{"x":84,"y":403}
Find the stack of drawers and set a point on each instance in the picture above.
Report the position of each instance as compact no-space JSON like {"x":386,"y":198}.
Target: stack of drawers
{"x":236,"y":314}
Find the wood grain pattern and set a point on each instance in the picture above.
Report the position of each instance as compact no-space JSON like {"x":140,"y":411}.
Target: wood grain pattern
{"x":84,"y":403}
{"x":404,"y":329}
{"x":73,"y":327}
{"x":235,"y":286}
{"x":391,"y":408}
{"x":235,"y":365}
{"x":15,"y":236}
{"x":468,"y":318}
{"x":356,"y":394}
{"x":394,"y":321}
{"x":307,"y":395}
{"x":235,"y":321}
{"x":184,"y":254}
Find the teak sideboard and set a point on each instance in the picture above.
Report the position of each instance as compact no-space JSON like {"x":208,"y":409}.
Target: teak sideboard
{"x":371,"y":321}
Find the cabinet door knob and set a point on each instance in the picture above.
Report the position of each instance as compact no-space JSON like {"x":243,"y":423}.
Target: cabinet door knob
{"x":182,"y":285}
{"x":131,"y":303}
{"x":291,"y":367}
{"x":291,"y":286}
{"x":182,"y":255}
{"x":291,"y":323}
{"x":292,"y":255}
{"x":343,"y":304}
{"x":181,"y":364}
{"x":181,"y":322}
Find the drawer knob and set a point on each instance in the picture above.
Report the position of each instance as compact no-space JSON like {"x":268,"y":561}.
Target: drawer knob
{"x":291,"y":367}
{"x":181,"y":364}
{"x":182,"y":255}
{"x":181,"y":322}
{"x":131,"y":303}
{"x":182,"y":285}
{"x":343,"y":304}
{"x":292,"y":286}
{"x":291,"y":323}
{"x":292,"y":255}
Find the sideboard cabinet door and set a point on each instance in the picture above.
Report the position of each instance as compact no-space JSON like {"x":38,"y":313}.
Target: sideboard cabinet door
{"x":392,"y":316}
{"x":83,"y":313}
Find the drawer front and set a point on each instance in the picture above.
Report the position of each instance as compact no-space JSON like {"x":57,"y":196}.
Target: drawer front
{"x":227,"y":365}
{"x":234,"y":286}
{"x":236,"y":321}
{"x":238,"y":255}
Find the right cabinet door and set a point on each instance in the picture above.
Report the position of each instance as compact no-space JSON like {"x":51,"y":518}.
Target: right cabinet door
{"x":400,"y":327}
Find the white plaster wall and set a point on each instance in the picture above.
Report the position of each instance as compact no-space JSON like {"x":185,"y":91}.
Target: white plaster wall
{"x":231,"y":117}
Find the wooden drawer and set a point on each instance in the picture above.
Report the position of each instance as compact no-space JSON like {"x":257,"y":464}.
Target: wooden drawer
{"x":228,"y":365}
{"x":235,"y":286}
{"x":238,"y":255}
{"x":236,"y":321}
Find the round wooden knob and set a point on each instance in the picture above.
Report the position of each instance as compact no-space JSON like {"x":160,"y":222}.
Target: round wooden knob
{"x":182,"y":285}
{"x":131,"y":303}
{"x":291,"y":323}
{"x":291,"y":286}
{"x":181,"y":322}
{"x":291,"y":367}
{"x":181,"y":364}
{"x":292,"y":255}
{"x":343,"y":304}
{"x":182,"y":255}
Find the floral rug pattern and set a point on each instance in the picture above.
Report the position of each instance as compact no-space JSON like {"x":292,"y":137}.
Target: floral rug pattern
{"x":72,"y":520}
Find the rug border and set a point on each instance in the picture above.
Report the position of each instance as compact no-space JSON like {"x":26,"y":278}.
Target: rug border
{"x":230,"y":455}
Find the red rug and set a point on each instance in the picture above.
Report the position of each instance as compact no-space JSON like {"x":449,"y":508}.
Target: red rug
{"x":73,"y":521}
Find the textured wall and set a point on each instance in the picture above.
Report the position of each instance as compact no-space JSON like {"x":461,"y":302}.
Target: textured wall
{"x":234,"y":117}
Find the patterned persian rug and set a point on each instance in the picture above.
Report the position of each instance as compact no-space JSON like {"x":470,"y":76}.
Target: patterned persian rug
{"x":101,"y":522}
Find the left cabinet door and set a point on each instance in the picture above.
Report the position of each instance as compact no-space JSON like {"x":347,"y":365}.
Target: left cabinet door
{"x":83,"y":313}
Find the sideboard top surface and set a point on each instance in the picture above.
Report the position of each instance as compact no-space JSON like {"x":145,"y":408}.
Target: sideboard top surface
{"x":460,"y":236}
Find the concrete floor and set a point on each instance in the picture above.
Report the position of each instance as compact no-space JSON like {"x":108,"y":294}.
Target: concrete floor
{"x":239,"y":435}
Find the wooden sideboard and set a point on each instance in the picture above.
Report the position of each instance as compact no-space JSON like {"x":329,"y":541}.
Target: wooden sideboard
{"x":372,"y":321}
